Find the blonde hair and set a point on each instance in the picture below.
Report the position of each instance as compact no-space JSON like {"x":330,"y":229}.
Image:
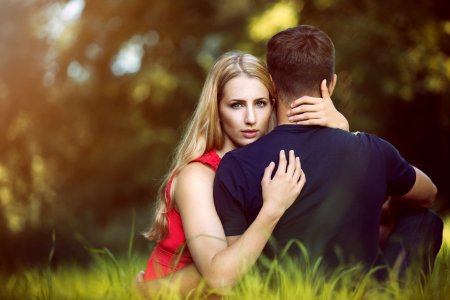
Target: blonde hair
{"x":204,"y":131}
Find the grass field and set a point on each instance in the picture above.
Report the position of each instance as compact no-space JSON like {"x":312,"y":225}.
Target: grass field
{"x":112,"y":278}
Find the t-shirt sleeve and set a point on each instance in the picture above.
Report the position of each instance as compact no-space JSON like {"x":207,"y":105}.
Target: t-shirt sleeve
{"x":228,"y":197}
{"x":401,"y":176}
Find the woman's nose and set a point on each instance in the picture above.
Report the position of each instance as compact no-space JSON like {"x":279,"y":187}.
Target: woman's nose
{"x":250,"y":117}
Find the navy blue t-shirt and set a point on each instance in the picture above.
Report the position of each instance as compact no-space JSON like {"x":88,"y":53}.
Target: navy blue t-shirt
{"x":337,"y":214}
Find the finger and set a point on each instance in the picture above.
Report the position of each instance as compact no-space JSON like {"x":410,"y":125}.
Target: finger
{"x":305,"y":100}
{"x":298,"y":170}
{"x":312,"y":122}
{"x":324,"y":89}
{"x":140,"y":277}
{"x":306,"y":108}
{"x":268,"y":172}
{"x":307,"y":116}
{"x":282,"y":163}
{"x":291,"y":167}
{"x":302,"y":181}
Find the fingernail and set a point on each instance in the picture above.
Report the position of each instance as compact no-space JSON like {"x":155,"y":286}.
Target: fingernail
{"x":290,"y":119}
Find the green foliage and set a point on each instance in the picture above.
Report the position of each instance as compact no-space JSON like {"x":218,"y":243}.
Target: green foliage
{"x":109,"y":277}
{"x":112,"y":278}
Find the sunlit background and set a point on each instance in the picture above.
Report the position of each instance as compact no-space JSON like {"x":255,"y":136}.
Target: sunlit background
{"x":94,"y":96}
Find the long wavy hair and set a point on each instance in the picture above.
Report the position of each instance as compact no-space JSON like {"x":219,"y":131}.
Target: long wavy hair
{"x":204,"y":131}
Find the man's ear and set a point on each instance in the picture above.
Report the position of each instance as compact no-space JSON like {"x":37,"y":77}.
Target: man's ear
{"x":332,"y":84}
{"x":275,"y":97}
{"x":273,"y":84}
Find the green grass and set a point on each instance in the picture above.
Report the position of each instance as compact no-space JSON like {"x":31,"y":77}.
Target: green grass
{"x":109,"y":277}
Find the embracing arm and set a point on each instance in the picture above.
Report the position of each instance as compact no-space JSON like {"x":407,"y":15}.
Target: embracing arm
{"x":317,"y":111}
{"x":222,"y":265}
{"x":421,"y":195}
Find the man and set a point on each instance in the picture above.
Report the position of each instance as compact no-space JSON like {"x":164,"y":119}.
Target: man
{"x":337,"y":215}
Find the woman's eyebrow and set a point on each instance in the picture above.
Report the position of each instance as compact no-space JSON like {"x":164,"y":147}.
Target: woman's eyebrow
{"x":243,"y":100}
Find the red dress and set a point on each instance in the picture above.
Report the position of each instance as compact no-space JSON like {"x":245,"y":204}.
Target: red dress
{"x":171,"y":253}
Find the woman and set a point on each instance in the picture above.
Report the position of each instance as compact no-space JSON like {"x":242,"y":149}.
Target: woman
{"x":235,"y":109}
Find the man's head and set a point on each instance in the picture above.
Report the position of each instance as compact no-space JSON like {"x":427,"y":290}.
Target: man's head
{"x":298,"y":59}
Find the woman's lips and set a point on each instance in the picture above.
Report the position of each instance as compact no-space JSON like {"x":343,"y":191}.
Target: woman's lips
{"x":249,"y":134}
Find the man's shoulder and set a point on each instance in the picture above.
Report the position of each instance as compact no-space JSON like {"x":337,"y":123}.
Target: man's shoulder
{"x":228,"y":159}
{"x":246,"y":151}
{"x":371,"y":139}
{"x":361,"y":136}
{"x":373,"y":145}
{"x":357,"y":142}
{"x":336,"y":136}
{"x":229,"y":166}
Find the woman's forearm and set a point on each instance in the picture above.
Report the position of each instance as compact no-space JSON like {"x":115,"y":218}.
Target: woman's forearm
{"x":343,"y":122}
{"x":230,"y":264}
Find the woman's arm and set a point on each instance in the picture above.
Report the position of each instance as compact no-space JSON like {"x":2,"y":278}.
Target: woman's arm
{"x":317,"y":111}
{"x":221,"y":266}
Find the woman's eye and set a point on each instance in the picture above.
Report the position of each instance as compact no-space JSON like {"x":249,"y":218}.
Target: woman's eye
{"x":261,"y":103}
{"x":236,"y":105}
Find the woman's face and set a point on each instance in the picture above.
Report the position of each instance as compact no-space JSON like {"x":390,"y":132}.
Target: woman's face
{"x":245,"y":111}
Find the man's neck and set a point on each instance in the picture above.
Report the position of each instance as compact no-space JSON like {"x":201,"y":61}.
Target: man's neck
{"x":282,"y":118}
{"x":282,"y":108}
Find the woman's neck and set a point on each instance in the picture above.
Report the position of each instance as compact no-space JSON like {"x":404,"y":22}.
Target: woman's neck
{"x":224,"y":150}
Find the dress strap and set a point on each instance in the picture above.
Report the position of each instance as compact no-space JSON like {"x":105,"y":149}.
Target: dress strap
{"x":210,"y":158}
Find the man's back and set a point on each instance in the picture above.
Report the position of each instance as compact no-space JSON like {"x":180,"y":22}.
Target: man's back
{"x":337,"y":214}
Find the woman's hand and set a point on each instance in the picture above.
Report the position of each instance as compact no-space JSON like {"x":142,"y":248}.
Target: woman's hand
{"x":139,"y":283}
{"x":317,"y":111}
{"x":281,"y":191}
{"x":182,"y":282}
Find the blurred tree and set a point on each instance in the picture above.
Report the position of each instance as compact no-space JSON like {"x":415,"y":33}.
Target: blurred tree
{"x":91,"y":114}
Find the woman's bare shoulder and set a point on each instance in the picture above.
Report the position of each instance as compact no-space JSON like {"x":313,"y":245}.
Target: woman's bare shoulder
{"x":196,"y":178}
{"x":195,"y":171}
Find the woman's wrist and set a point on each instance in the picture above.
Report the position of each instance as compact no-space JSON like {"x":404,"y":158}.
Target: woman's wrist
{"x":271,"y":211}
{"x":344,"y":125}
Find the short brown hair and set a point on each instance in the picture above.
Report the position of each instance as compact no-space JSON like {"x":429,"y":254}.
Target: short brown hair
{"x":298,"y":59}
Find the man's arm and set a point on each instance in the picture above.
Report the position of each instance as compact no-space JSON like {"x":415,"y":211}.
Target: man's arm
{"x":422,"y":194}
